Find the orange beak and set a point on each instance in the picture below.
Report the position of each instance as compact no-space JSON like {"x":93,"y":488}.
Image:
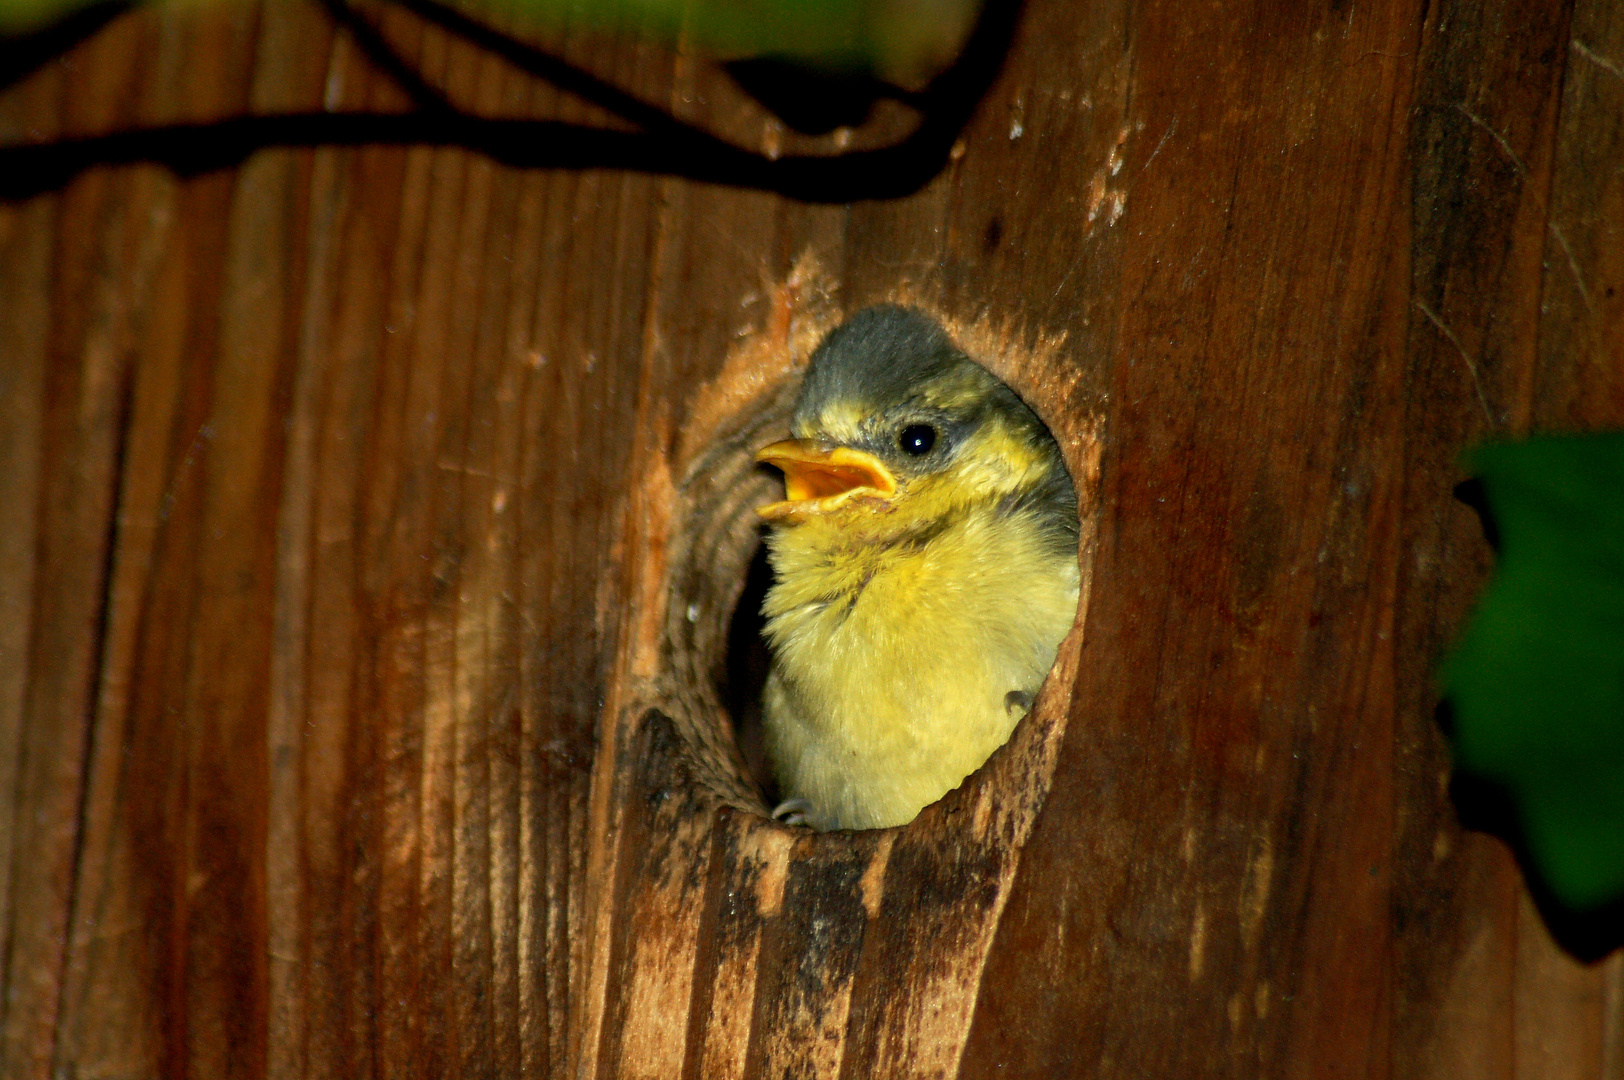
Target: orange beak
{"x":818,"y":480}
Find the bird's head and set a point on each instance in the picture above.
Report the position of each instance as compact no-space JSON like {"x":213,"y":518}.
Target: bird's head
{"x":896,"y":428}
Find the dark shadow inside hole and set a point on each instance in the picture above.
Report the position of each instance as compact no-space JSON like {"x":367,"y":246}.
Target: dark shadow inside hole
{"x":745,"y":674}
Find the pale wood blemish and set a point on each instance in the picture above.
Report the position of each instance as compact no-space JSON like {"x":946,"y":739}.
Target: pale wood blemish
{"x":1198,"y":942}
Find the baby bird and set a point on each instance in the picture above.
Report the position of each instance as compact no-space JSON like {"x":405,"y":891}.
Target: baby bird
{"x":925,"y":556}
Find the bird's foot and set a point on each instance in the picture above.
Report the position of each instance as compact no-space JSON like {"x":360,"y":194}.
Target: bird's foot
{"x":792,"y":811}
{"x":1017,"y":702}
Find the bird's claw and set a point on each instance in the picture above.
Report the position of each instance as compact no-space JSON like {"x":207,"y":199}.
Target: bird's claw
{"x":792,"y":811}
{"x":1017,"y":702}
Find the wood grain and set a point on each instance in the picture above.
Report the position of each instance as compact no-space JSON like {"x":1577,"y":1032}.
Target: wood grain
{"x":373,"y":516}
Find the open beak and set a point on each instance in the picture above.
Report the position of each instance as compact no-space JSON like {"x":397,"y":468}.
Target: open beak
{"x":818,"y":480}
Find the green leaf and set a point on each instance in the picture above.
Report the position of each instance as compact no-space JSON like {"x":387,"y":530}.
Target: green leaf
{"x":1537,"y":682}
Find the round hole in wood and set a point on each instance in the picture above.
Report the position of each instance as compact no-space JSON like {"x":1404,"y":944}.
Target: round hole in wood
{"x":712,"y":657}
{"x":712,"y":661}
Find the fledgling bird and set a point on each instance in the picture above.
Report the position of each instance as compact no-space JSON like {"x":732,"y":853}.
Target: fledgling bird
{"x":925,"y":557}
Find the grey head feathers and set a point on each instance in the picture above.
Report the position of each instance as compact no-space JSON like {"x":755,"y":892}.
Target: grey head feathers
{"x":890,"y":367}
{"x":882,"y":356}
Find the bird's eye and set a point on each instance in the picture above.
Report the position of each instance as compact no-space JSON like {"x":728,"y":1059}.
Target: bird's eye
{"x":917,"y":439}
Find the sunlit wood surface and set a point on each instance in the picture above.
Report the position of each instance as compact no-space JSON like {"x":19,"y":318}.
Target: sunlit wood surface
{"x":337,"y":495}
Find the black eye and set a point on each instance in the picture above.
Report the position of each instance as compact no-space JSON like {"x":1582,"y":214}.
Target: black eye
{"x":917,"y":439}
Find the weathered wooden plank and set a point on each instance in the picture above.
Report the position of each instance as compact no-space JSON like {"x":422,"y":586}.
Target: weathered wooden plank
{"x":1484,"y":139}
{"x":1483,"y":265}
{"x":340,"y":754}
{"x":1579,"y":344}
{"x":1570,"y":1016}
{"x":115,"y":939}
{"x":100,"y":295}
{"x":25,"y":252}
{"x":1213,"y":859}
